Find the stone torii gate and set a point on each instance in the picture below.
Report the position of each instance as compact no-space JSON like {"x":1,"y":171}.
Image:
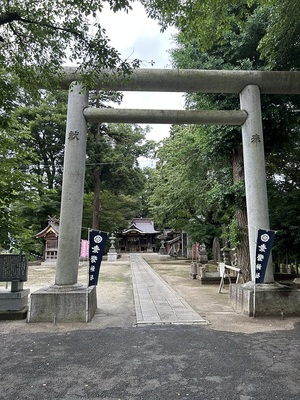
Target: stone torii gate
{"x":68,"y":301}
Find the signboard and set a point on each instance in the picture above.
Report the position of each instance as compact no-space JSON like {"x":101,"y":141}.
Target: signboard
{"x":13,"y":267}
{"x":97,"y":242}
{"x":264,"y":244}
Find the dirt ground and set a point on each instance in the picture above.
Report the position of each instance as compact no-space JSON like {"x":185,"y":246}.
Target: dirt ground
{"x":116,"y":303}
{"x":210,"y":304}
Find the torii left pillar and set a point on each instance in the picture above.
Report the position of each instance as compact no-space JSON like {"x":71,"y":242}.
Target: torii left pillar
{"x":67,"y":300}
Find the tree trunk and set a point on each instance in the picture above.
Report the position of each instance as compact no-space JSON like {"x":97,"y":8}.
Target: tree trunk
{"x":243,"y":253}
{"x":96,"y":203}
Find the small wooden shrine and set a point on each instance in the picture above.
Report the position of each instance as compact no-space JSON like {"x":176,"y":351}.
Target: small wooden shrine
{"x":140,"y":236}
{"x":50,"y":236}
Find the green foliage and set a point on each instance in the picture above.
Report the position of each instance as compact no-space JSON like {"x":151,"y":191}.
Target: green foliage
{"x":178,"y":182}
{"x":112,"y":152}
{"x":280,"y":45}
{"x":219,"y":148}
{"x":114,"y":149}
{"x":116,"y":210}
{"x":15,"y":180}
{"x":31,"y":163}
{"x":202,"y":231}
{"x":42,"y":36}
{"x":189,"y":191}
{"x":27,"y":217}
{"x":210,"y":21}
{"x":112,"y":162}
{"x":45,"y":117}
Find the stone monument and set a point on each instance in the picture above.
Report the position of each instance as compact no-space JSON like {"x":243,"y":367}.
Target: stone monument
{"x":14,"y":302}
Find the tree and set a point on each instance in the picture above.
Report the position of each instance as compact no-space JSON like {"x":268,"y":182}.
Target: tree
{"x":112,"y":162}
{"x":37,"y":38}
{"x":45,"y":118}
{"x":209,"y":22}
{"x":179,"y":184}
{"x":220,"y":148}
{"x":31,"y":151}
{"x":116,"y":211}
{"x":15,"y":181}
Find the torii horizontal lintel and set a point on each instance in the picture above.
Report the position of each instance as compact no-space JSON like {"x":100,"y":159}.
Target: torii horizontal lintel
{"x":192,"y":81}
{"x":140,"y":116}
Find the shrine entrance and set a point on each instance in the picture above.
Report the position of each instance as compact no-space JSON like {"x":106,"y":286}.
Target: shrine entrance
{"x":248,"y":85}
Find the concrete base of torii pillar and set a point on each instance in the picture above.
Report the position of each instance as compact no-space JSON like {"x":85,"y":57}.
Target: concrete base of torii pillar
{"x":77,"y":303}
{"x":269,"y":299}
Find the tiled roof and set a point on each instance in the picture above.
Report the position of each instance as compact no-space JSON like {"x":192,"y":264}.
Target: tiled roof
{"x":141,"y":225}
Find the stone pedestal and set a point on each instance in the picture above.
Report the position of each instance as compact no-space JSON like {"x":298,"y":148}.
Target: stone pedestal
{"x":13,"y":305}
{"x":162,"y":249}
{"x":76,"y":303}
{"x":266,"y":300}
{"x":13,"y":301}
{"x":193,"y":270}
{"x":112,"y":256}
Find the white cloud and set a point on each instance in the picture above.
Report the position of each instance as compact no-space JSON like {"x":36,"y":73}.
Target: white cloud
{"x":135,"y":35}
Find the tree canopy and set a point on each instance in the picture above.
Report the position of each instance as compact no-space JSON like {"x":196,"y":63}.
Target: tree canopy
{"x":209,"y":21}
{"x":41,"y":36}
{"x":198,"y":185}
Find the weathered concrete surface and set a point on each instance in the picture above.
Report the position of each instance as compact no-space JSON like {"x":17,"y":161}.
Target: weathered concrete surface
{"x":265,"y":300}
{"x":156,"y":302}
{"x":191,"y":80}
{"x":255,"y":174}
{"x":13,"y":300}
{"x":208,"y":117}
{"x":51,"y":305}
{"x":72,"y":188}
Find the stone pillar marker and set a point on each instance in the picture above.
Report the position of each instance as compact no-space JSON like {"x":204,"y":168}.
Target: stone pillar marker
{"x":255,"y":175}
{"x":66,"y":300}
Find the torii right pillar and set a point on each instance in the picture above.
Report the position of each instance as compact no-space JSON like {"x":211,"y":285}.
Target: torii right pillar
{"x":269,"y":298}
{"x":255,"y":173}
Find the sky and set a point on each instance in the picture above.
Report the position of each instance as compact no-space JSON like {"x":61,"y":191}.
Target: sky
{"x":135,"y":35}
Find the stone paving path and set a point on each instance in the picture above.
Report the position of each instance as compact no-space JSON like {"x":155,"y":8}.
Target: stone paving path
{"x":155,"y":301}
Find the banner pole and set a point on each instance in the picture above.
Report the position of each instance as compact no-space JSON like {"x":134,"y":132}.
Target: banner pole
{"x":254,"y":275}
{"x":265,"y":238}
{"x":88,"y":263}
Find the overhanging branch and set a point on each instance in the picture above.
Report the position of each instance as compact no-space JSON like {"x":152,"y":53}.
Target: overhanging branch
{"x":10,"y":17}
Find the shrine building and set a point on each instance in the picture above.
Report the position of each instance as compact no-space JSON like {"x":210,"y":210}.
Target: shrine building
{"x":140,"y":236}
{"x":50,"y":236}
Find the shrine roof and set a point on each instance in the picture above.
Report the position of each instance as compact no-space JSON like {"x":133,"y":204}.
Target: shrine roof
{"x":51,"y":228}
{"x":141,"y":225}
